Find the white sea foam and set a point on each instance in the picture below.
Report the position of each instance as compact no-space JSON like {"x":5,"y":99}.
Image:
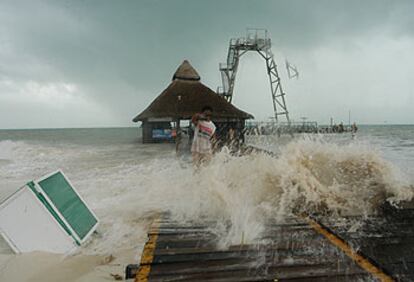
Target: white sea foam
{"x":243,"y":192}
{"x":127,"y":184}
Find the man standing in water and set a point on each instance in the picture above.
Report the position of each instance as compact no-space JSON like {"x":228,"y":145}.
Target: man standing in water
{"x":201,"y":148}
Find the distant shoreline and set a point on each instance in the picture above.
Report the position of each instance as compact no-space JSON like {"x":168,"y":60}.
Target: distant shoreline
{"x":62,"y":128}
{"x":135,"y":126}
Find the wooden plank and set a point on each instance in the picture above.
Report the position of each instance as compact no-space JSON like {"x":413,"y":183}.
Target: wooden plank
{"x":387,"y":240}
{"x":282,"y":267}
{"x":253,"y":262}
{"x":190,"y":262}
{"x":238,"y":272}
{"x":288,"y":250}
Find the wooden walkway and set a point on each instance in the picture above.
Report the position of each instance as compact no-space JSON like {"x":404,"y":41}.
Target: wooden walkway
{"x":302,"y":248}
{"x":386,"y":240}
{"x":294,"y":251}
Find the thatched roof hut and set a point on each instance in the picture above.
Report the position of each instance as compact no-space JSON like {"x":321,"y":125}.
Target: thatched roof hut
{"x":185,"y":96}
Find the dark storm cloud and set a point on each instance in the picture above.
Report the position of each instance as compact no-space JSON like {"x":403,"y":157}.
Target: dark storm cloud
{"x":116,"y":56}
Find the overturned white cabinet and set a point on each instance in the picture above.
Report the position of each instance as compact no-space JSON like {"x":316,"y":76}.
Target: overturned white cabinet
{"x":48,"y":215}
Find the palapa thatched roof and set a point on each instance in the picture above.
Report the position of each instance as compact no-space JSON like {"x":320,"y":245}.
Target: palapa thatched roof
{"x":185,"y":96}
{"x":186,"y":72}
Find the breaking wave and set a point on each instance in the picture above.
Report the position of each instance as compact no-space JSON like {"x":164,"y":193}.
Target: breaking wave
{"x":127,"y":184}
{"x":243,"y":192}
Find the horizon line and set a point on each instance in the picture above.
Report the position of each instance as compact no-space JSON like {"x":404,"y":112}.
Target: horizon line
{"x":118,"y":127}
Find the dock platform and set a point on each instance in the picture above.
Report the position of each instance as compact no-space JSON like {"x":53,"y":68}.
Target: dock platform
{"x":301,"y":248}
{"x":386,"y":240}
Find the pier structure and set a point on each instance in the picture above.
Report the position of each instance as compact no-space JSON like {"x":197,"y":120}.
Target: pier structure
{"x":256,"y":40}
{"x":272,"y":128}
{"x":301,"y":247}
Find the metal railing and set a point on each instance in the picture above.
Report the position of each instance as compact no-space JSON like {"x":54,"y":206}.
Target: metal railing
{"x":273,"y":128}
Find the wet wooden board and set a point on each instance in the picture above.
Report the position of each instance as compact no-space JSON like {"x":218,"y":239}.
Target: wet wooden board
{"x":386,"y":239}
{"x":290,"y":251}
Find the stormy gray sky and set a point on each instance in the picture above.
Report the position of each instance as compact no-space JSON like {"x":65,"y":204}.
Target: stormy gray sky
{"x":99,"y":63}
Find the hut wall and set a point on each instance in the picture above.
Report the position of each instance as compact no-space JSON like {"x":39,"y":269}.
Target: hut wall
{"x":146,"y":132}
{"x":150,"y":132}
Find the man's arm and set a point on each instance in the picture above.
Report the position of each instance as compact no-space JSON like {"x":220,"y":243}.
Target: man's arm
{"x":195,"y":118}
{"x":214,"y":139}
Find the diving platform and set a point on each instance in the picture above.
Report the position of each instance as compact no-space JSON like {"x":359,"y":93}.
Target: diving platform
{"x":256,"y":40}
{"x":299,"y":248}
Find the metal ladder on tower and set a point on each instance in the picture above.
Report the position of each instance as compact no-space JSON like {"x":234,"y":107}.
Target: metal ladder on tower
{"x":255,"y":40}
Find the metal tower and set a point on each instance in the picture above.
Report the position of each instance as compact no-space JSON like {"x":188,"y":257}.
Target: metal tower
{"x":255,"y":40}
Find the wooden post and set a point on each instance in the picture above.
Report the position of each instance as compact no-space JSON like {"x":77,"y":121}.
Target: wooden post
{"x":178,"y":137}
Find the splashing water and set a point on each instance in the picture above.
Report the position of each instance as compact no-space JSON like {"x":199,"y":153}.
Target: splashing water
{"x":126,"y":184}
{"x":307,"y":176}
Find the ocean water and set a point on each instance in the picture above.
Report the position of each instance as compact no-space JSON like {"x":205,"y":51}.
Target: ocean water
{"x":126,"y":182}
